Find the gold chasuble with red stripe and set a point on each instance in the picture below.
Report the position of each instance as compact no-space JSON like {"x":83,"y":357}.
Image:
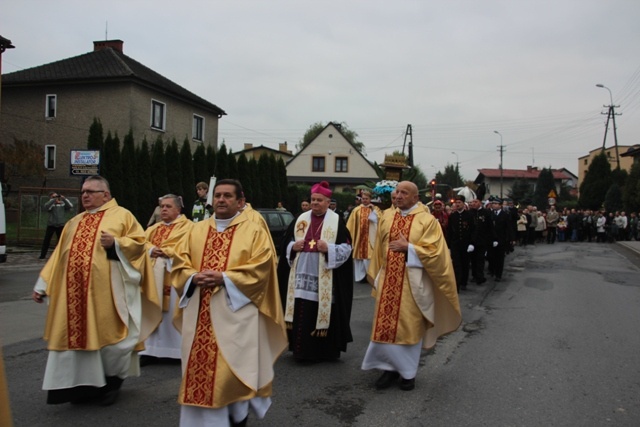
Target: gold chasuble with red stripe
{"x":228,"y":354}
{"x":362,"y":230}
{"x":362,"y":246}
{"x":165,"y":237}
{"x":87,"y":307}
{"x":388,"y":313}
{"x":199,"y":379}
{"x":416,"y":297}
{"x":78,"y":274}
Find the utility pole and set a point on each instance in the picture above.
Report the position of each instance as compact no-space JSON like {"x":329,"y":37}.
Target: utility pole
{"x":408,"y":134}
{"x":501,"y":149}
{"x":611,"y":114}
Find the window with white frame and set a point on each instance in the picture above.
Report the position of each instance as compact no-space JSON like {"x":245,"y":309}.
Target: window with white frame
{"x":198,"y":128}
{"x":50,"y":157}
{"x":158,"y":115}
{"x":342,"y":164}
{"x":51,"y":107}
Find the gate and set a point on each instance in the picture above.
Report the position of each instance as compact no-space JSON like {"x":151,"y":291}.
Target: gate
{"x":32,"y":217}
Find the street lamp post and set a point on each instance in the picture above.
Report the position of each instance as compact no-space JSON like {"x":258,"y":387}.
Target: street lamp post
{"x":611,"y":114}
{"x":457,"y":168}
{"x":501,"y":151}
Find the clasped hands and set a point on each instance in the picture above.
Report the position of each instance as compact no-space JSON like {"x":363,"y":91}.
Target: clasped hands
{"x":156,"y":252}
{"x":320,"y":245}
{"x":208,"y":279}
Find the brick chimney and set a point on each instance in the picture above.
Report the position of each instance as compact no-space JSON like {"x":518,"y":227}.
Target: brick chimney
{"x":248,"y":146}
{"x":114,"y":44}
{"x":283,"y":148}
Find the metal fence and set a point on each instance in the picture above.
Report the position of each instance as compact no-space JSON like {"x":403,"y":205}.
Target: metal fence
{"x":32,"y":217}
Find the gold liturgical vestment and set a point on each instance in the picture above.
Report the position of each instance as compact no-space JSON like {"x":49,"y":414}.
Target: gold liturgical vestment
{"x":413,"y":303}
{"x":85,"y":310}
{"x":165,"y":237}
{"x":362,"y":231}
{"x":228,"y":356}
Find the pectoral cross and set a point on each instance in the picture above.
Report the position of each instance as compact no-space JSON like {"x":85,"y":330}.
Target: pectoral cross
{"x":312,"y":243}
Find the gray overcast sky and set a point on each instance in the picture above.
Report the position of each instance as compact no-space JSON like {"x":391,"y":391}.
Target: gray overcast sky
{"x":455,"y":70}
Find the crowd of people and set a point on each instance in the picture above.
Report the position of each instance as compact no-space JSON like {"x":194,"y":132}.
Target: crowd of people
{"x":211,"y":294}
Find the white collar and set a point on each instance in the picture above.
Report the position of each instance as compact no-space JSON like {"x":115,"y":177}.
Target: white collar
{"x":406,"y":211}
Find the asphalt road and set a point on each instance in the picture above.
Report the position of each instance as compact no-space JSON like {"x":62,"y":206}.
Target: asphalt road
{"x":555,"y":343}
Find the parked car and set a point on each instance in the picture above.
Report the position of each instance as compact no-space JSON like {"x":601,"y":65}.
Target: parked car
{"x":3,"y":228}
{"x":278,"y":222}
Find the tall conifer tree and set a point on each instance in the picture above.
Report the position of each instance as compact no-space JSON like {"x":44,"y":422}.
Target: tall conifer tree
{"x":130,"y":188}
{"x":284,"y":183}
{"x":200,"y":168}
{"x":113,"y":165}
{"x":544,"y":185}
{"x":159,"y":169}
{"x":596,"y":183}
{"x":222,"y":163}
{"x":232,"y":166}
{"x":631,"y":193}
{"x":211,"y":162}
{"x":174,"y":167}
{"x":257,"y":197}
{"x":147,"y":201}
{"x":275,"y":182}
{"x":245,"y":178}
{"x":265,"y":182}
{"x":95,"y":141}
{"x":188,"y":177}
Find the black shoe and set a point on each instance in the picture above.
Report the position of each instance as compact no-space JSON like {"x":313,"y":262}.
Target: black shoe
{"x":110,"y":391}
{"x":479,"y":282}
{"x":498,"y":279}
{"x":407,"y":385}
{"x":387,"y":379}
{"x":109,"y":398}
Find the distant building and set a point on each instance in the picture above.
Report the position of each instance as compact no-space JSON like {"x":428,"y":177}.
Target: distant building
{"x":251,"y":152}
{"x":330,"y":157}
{"x":585,"y":161}
{"x":492,"y":177}
{"x":55,"y":104}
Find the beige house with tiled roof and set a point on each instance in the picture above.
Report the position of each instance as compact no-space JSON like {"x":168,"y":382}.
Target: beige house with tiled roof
{"x":54,"y":105}
{"x":330,"y":157}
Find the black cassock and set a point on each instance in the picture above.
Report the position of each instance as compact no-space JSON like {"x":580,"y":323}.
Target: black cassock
{"x":301,"y":342}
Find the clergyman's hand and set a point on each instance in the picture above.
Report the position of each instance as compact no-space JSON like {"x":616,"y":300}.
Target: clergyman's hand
{"x":38,"y":297}
{"x":400,"y":245}
{"x":107,"y":240}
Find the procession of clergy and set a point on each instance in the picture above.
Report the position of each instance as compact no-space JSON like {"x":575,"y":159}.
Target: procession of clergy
{"x":212,"y":294}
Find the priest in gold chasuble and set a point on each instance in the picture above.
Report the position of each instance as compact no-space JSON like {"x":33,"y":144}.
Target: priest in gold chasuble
{"x":102,"y":300}
{"x":315,"y":274}
{"x":162,"y":238}
{"x":363,"y":225}
{"x":415,"y":290}
{"x":230,"y":314}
